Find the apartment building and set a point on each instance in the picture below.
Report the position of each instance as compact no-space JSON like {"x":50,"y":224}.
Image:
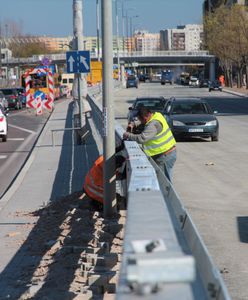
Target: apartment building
{"x":145,"y":41}
{"x":184,"y":38}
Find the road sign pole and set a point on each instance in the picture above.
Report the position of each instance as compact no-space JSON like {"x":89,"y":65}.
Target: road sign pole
{"x":108,"y":112}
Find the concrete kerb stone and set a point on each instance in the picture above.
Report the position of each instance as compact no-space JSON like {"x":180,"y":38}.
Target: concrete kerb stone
{"x":27,"y":164}
{"x":235,"y":93}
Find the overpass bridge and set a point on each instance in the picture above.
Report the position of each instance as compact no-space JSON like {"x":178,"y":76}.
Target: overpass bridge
{"x":152,"y":59}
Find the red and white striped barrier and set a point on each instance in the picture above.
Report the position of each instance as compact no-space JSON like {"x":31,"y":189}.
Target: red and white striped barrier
{"x":29,"y":98}
{"x":49,"y":102}
{"x":38,"y":106}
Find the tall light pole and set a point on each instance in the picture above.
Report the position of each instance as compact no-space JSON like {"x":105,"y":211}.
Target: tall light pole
{"x":98,"y":29}
{"x":117,"y":37}
{"x":131,"y":30}
{"x":108,"y":112}
{"x":78,"y":44}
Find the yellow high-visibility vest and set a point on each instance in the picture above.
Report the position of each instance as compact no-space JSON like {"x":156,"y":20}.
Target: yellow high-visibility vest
{"x":163,"y":141}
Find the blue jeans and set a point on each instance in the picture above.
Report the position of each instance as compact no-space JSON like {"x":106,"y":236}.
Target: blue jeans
{"x":166,"y":162}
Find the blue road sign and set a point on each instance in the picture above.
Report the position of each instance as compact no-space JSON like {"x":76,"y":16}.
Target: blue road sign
{"x":78,"y":61}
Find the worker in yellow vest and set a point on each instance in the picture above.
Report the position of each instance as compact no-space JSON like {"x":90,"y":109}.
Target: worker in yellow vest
{"x":156,"y":138}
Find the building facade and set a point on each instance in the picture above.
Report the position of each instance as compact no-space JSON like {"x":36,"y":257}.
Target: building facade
{"x":144,"y":41}
{"x":184,"y":38}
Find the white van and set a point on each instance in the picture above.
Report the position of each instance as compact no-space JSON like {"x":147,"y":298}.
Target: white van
{"x":67,"y":79}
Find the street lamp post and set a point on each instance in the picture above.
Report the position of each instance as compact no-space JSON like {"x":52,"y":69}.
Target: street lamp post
{"x":108,"y":112}
{"x":98,"y":29}
{"x":117,"y":37}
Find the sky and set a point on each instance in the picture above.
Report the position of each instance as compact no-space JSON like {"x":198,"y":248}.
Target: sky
{"x":54,"y":17}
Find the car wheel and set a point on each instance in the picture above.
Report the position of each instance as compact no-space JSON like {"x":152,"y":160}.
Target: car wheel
{"x":4,"y":138}
{"x":209,"y":90}
{"x":214,"y":138}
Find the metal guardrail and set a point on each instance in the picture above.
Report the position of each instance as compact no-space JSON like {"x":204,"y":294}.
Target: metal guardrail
{"x":164,"y":256}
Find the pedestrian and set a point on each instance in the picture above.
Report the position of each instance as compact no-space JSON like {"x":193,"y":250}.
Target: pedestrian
{"x":157,"y":139}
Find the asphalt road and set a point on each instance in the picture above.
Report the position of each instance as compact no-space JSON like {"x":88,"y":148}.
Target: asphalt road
{"x":24,"y":128}
{"x":211,"y":179}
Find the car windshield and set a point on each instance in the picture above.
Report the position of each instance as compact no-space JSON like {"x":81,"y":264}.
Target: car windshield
{"x":131,"y":78}
{"x":189,"y":108}
{"x":154,"y":104}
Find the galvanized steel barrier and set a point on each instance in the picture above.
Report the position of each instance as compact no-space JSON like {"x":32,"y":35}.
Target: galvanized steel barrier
{"x":164,"y":256}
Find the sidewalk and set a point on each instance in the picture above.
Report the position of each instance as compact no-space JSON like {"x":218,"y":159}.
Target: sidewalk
{"x":242,"y":92}
{"x":34,"y":237}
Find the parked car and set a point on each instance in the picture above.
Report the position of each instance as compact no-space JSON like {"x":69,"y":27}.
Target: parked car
{"x":215,"y":86}
{"x":153,"y":103}
{"x":132,"y":81}
{"x":204,"y":83}
{"x":143,"y":77}
{"x":3,"y":100}
{"x":22,"y":94}
{"x":13,"y":98}
{"x":3,"y":124}
{"x":190,"y":117}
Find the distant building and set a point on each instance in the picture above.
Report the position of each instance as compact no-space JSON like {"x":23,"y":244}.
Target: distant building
{"x":145,"y":41}
{"x":184,"y":38}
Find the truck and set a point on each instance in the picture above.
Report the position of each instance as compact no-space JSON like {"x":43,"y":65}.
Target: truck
{"x":167,"y":76}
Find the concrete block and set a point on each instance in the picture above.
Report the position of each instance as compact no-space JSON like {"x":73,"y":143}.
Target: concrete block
{"x":97,"y":280}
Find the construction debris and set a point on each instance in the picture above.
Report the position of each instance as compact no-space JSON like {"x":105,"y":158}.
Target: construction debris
{"x":70,"y":253}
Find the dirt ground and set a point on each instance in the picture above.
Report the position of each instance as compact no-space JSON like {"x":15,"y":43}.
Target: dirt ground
{"x":72,"y":252}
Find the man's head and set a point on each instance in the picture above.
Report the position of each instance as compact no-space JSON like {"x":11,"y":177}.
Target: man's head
{"x":144,"y":114}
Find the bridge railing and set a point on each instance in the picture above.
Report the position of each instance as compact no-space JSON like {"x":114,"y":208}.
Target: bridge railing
{"x":163,"y":253}
{"x":122,"y":54}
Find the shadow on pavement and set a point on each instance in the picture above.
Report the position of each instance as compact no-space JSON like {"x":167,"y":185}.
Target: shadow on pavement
{"x":48,"y":263}
{"x":242,"y":223}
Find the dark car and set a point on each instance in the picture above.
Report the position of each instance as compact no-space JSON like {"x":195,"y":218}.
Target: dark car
{"x":153,"y":103}
{"x":191,"y":117}
{"x":215,"y":86}
{"x":204,"y":83}
{"x":143,"y":77}
{"x":13,"y":98}
{"x":132,"y":81}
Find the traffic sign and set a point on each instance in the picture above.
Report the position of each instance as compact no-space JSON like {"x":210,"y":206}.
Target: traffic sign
{"x":78,"y":61}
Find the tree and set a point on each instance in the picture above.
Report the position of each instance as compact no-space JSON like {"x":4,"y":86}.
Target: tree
{"x":226,"y":36}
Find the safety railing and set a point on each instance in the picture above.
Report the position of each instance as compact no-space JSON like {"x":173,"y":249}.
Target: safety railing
{"x":121,"y":54}
{"x":163,"y":256}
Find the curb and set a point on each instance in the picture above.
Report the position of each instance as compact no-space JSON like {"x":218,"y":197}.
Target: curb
{"x":235,"y":93}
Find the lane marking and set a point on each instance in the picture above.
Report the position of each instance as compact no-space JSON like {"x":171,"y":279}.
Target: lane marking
{"x":23,"y":129}
{"x":3,"y":156}
{"x":16,"y":139}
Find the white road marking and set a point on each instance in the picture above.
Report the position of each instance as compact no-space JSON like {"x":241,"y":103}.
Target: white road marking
{"x":3,"y":156}
{"x":21,"y":128}
{"x":15,"y":139}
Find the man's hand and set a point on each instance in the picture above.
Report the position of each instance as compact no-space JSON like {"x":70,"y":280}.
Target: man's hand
{"x":125,"y":136}
{"x":130,"y":127}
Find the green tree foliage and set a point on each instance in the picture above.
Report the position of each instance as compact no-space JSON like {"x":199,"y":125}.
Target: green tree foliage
{"x":226,"y":36}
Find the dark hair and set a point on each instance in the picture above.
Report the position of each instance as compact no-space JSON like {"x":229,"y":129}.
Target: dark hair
{"x":143,"y":111}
